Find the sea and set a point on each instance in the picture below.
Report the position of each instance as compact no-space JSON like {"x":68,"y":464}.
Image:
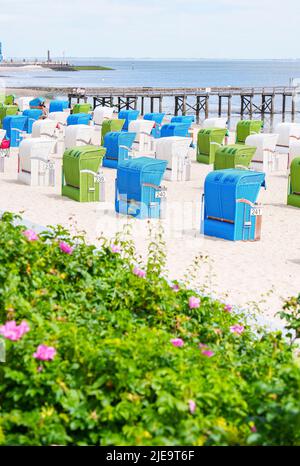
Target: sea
{"x":173,"y":73}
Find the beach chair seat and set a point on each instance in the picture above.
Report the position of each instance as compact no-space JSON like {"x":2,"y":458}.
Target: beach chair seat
{"x":79,"y":119}
{"x":82,"y":180}
{"x":233,"y":156}
{"x":293,"y":198}
{"x":266,"y":158}
{"x":288,"y":134}
{"x":128,"y":116}
{"x":33,"y":114}
{"x":143,"y":138}
{"x":35,"y":167}
{"x":229,"y":205}
{"x":102,"y":113}
{"x":138,"y":192}
{"x":113,"y":125}
{"x":208,"y":141}
{"x":82,"y":108}
{"x":245,"y":128}
{"x":58,"y":105}
{"x":15,"y":127}
{"x":80,"y":135}
{"x":44,"y":129}
{"x":118,"y":148}
{"x":175,"y":150}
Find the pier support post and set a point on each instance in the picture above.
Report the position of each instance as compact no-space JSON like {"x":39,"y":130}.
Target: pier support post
{"x":283,"y":106}
{"x":229,"y":109}
{"x":160,"y":103}
{"x":220,"y":106}
{"x":142,"y":105}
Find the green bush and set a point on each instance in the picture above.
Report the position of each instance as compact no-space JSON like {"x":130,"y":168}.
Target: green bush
{"x":116,"y":377}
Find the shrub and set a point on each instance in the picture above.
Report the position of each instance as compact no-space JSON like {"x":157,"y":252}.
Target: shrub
{"x":127,"y":359}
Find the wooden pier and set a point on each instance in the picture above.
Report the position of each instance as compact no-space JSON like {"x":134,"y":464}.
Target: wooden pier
{"x":202,"y":102}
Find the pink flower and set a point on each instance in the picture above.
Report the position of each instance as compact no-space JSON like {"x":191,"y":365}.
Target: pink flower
{"x":115,"y":249}
{"x":65,"y":247}
{"x":40,"y":368}
{"x":178,"y":342}
{"x":208,"y":353}
{"x":45,"y":353}
{"x":201,"y":345}
{"x":12,"y":331}
{"x":228,"y":308}
{"x":139,"y":272}
{"x":253,"y":429}
{"x":30,"y":235}
{"x":175,"y":287}
{"x":192,"y":406}
{"x":194,"y":302}
{"x":238,"y":329}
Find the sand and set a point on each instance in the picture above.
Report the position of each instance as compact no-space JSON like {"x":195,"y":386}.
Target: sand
{"x":256,"y":275}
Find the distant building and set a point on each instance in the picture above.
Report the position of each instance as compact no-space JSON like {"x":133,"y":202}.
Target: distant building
{"x":1,"y":56}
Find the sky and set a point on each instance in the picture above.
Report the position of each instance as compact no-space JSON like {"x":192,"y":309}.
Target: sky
{"x":151,"y":28}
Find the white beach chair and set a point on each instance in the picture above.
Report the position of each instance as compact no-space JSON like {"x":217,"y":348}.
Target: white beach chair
{"x":294,"y":151}
{"x":44,"y":129}
{"x":102,"y":113}
{"x":81,"y":135}
{"x":266,"y":158}
{"x":23,"y":103}
{"x":35,"y":166}
{"x":143,"y":143}
{"x":214,"y":123}
{"x":289,"y":133}
{"x":175,"y":150}
{"x":60,"y":117}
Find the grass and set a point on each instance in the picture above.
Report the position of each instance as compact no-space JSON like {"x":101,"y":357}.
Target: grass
{"x":91,"y":68}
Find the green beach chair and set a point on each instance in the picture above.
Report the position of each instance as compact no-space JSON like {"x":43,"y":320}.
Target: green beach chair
{"x":209,"y":140}
{"x":10,"y":99}
{"x":80,"y":168}
{"x":111,"y":126}
{"x":233,"y":156}
{"x":247,"y":127}
{"x":82,"y":108}
{"x":7,"y":110}
{"x":294,"y":184}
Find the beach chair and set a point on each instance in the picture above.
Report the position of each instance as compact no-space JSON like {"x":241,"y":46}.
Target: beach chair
{"x":175,"y":129}
{"x":109,"y":126}
{"x":143,"y":138}
{"x":7,"y":110}
{"x":294,"y":184}
{"x":15,"y":127}
{"x":82,"y":108}
{"x":118,"y":148}
{"x":138,"y":192}
{"x":4,"y":149}
{"x":82,"y":180}
{"x":35,"y":166}
{"x":229,"y":205}
{"x":59,"y":117}
{"x":58,"y":106}
{"x":79,"y":135}
{"x":294,"y":151}
{"x":46,"y":129}
{"x":128,"y":116}
{"x":23,"y":103}
{"x":214,"y":123}
{"x":245,"y":128}
{"x":175,"y":150}
{"x":208,"y":141}
{"x":33,"y":114}
{"x":36,"y":103}
{"x":288,"y":134}
{"x":10,"y":99}
{"x":266,"y":158}
{"x":79,"y":119}
{"x":158,"y":119}
{"x":233,"y":156}
{"x":102,"y":113}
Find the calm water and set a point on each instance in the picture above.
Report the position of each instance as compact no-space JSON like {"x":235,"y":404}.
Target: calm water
{"x":163,"y":73}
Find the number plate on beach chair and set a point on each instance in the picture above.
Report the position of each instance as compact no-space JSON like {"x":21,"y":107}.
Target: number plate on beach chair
{"x":256,"y":211}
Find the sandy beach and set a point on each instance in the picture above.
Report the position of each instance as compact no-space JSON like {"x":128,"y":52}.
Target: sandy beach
{"x":252,"y":274}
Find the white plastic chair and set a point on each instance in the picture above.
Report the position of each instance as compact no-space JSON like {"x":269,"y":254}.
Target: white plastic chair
{"x":175,"y":150}
{"x":35,"y":166}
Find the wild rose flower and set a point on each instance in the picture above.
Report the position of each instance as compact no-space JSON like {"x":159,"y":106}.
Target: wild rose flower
{"x":237,"y":329}
{"x":178,"y":342}
{"x":65,"y":247}
{"x":45,"y":353}
{"x":208,"y":353}
{"x":115,"y":248}
{"x":12,"y":331}
{"x":228,"y":308}
{"x":194,"y":302}
{"x":192,"y":406}
{"x":30,"y":235}
{"x":139,"y":272}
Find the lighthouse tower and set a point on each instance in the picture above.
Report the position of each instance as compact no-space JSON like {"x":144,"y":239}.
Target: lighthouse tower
{"x":1,"y":56}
